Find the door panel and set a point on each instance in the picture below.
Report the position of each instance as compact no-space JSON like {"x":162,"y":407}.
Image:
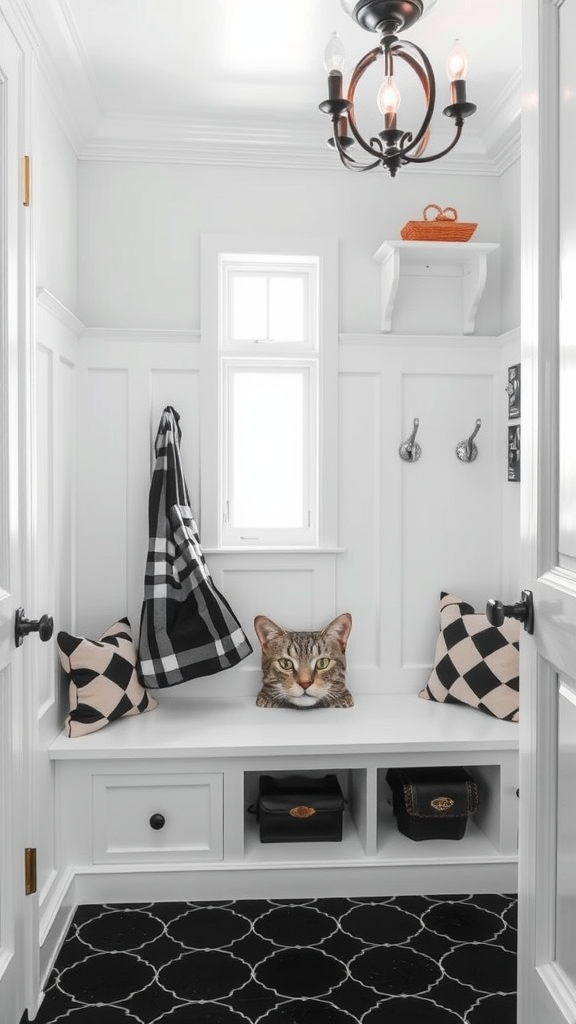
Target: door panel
{"x":566,"y":840}
{"x":567,"y":292}
{"x":12,"y":803}
{"x":547,"y":932}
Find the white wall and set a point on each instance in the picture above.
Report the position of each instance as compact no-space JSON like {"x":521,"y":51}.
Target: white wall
{"x":55,"y":202}
{"x":140,"y":224}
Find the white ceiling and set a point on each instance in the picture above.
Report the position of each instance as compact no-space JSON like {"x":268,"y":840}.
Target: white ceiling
{"x":239,"y":81}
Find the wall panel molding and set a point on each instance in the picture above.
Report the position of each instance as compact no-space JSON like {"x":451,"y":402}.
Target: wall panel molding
{"x":139,"y":334}
{"x":425,"y":341}
{"x":47,"y":301}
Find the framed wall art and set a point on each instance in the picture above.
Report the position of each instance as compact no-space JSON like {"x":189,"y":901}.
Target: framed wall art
{"x":513,"y":391}
{"x":514,"y":452}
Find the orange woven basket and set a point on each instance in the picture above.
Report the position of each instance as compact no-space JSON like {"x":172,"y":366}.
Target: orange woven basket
{"x":445,"y":227}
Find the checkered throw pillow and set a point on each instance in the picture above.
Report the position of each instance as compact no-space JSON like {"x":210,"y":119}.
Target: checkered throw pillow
{"x":475,"y":663}
{"x":103,"y":683}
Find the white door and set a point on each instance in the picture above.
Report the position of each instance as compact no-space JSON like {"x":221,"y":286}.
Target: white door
{"x":15,"y":911}
{"x":547,"y":930}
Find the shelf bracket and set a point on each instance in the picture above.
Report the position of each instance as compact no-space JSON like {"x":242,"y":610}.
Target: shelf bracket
{"x":464,"y":260}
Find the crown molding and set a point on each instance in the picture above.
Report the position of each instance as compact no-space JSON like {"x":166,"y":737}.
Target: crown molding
{"x":214,"y":143}
{"x":62,"y":68}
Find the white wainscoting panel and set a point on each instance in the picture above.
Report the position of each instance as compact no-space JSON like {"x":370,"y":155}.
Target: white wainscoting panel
{"x":128,"y":378}
{"x":406,"y":531}
{"x":450,"y":524}
{"x":359,"y":569}
{"x":410,"y":530}
{"x":104,"y":478}
{"x":53,"y":572}
{"x":295,"y":590}
{"x":45,"y":553}
{"x":181,"y":390}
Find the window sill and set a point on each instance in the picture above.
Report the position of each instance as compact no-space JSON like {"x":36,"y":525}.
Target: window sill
{"x":274,"y":550}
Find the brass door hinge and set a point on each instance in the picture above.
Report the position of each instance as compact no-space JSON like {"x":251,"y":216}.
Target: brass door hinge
{"x":30,"y":870}
{"x":26,"y":181}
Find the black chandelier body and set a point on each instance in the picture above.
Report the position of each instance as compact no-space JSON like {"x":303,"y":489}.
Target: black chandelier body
{"x":392,"y":147}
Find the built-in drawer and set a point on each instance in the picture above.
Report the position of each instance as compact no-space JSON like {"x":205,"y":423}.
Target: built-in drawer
{"x":157,"y":818}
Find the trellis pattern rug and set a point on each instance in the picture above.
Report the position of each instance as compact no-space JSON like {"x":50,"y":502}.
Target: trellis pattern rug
{"x":401,"y":960}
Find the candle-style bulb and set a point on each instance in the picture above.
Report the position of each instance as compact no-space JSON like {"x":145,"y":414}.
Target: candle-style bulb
{"x":388,"y":98}
{"x":334,"y":55}
{"x":457,"y":63}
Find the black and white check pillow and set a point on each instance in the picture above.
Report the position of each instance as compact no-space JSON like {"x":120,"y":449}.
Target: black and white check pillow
{"x":475,"y":663}
{"x":103,"y":682}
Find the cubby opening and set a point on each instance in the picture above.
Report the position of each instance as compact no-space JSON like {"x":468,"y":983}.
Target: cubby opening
{"x":485,"y":837}
{"x":353,"y":844}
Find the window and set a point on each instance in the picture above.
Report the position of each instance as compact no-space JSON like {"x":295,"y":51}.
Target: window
{"x":267,"y":299}
{"x":266,"y":363}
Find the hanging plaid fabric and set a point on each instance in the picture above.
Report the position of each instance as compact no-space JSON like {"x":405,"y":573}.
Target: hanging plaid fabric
{"x":187,"y":628}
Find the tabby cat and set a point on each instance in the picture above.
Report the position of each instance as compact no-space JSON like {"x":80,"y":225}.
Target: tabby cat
{"x":304,"y":669}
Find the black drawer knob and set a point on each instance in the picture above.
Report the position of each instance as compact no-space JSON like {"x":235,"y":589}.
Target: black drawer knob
{"x":157,"y":821}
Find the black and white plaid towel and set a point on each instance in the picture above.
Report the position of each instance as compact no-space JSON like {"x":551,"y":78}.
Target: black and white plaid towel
{"x":187,"y":628}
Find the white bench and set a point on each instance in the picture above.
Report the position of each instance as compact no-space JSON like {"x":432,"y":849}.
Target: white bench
{"x":196,"y":763}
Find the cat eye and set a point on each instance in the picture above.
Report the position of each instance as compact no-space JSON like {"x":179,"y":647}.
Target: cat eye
{"x":322,"y":663}
{"x":286,"y":664}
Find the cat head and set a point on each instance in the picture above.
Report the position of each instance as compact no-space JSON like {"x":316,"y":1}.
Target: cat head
{"x":304,"y":669}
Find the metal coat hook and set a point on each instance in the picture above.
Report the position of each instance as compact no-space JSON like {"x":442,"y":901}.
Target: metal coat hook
{"x":411,"y":451}
{"x":467,"y":451}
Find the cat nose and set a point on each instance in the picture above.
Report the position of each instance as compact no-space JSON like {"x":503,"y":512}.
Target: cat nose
{"x":305,"y":682}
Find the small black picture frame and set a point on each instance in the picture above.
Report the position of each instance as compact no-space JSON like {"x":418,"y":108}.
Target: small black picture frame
{"x":513,"y":390}
{"x":514,"y":452}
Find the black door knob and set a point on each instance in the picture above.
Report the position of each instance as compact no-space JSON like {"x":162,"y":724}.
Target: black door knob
{"x":23,"y":626}
{"x":523,"y":610}
{"x":157,"y":821}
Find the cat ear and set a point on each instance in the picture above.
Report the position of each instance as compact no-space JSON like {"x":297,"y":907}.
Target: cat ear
{"x":267,"y":630}
{"x":339,"y":629}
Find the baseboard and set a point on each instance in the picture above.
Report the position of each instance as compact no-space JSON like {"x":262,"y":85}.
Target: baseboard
{"x":56,"y":913}
{"x":132,"y":884}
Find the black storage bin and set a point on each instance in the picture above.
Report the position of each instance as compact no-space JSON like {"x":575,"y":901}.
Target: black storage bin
{"x":432,"y":803}
{"x":300,"y":809}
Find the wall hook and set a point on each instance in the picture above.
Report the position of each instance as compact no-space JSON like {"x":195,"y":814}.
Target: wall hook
{"x":411,"y":451}
{"x":467,"y":451}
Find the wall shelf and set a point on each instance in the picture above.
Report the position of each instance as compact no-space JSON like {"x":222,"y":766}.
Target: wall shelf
{"x":464,"y":260}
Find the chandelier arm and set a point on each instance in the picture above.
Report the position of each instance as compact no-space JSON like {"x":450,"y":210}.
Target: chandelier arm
{"x":349,"y":161}
{"x":428,"y":83}
{"x":426,"y":76}
{"x":422,"y":146}
{"x":362,"y":66}
{"x":353,"y":165}
{"x":436,"y":156}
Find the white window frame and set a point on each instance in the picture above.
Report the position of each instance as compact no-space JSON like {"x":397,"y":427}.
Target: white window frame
{"x":231,"y":264}
{"x":318,"y":352}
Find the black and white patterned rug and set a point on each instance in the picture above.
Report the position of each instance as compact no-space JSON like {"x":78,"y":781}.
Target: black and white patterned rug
{"x":400,"y":960}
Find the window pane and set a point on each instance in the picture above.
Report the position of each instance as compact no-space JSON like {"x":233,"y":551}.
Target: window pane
{"x":267,"y":434}
{"x":248,"y":308}
{"x":287,"y":298}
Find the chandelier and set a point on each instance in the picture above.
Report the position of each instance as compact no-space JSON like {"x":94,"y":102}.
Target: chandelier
{"x":392,"y":147}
